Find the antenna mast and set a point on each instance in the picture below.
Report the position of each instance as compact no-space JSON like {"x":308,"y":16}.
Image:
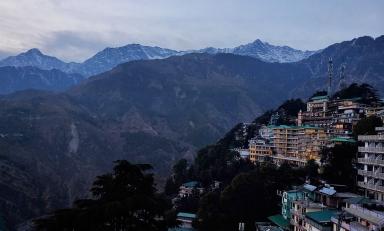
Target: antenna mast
{"x":342,"y":77}
{"x":330,"y":73}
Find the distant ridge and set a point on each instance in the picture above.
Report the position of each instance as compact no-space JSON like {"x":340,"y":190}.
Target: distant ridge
{"x":156,"y":111}
{"x":110,"y":57}
{"x":14,"y":79}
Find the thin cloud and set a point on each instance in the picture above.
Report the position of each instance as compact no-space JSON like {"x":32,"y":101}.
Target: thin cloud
{"x":74,"y":30}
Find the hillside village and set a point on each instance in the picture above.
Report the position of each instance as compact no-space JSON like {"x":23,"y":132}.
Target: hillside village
{"x":324,"y":122}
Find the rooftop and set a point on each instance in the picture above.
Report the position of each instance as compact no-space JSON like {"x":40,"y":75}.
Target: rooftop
{"x":320,"y":97}
{"x":279,"y":220}
{"x":346,"y":195}
{"x":321,"y":216}
{"x":328,"y":191}
{"x":268,"y":228}
{"x":309,"y":187}
{"x":372,"y":216}
{"x":357,"y":200}
{"x":343,"y":139}
{"x":191,"y":184}
{"x":186,"y":215}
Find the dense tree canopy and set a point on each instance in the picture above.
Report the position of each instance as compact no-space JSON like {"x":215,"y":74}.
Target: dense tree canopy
{"x":366,"y":126}
{"x":339,"y":164}
{"x":123,"y":200}
{"x":364,"y":91}
{"x":250,"y":196}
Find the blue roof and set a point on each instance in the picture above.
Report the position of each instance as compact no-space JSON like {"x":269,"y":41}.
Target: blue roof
{"x":191,"y":184}
{"x":328,"y":191}
{"x":187,"y":215}
{"x":309,"y":187}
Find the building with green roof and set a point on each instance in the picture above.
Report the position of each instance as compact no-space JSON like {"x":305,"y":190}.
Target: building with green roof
{"x":339,"y":139}
{"x":320,"y":220}
{"x":320,"y":97}
{"x":280,"y":221}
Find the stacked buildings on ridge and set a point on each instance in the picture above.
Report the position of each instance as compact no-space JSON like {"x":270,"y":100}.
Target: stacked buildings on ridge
{"x":327,"y":208}
{"x":325,"y":122}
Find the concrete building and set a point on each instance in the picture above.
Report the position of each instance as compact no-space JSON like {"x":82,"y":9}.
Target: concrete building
{"x":300,"y":209}
{"x":317,"y":113}
{"x":371,"y":165}
{"x":336,"y":116}
{"x":260,"y":150}
{"x":287,"y":198}
{"x":320,"y":220}
{"x":189,"y":188}
{"x":358,"y":216}
{"x":347,"y":114}
{"x":267,"y":226}
{"x":298,"y":144}
{"x":266,"y":132}
{"x":186,"y":220}
{"x":375,"y":111}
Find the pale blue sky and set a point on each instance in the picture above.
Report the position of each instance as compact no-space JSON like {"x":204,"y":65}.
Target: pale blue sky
{"x":73,"y":30}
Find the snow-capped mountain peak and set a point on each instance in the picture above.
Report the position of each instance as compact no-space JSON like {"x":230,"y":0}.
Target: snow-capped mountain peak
{"x":109,"y":57}
{"x":34,"y":57}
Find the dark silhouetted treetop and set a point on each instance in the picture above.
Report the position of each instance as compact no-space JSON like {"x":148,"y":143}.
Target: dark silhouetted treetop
{"x":366,"y":93}
{"x":123,"y":200}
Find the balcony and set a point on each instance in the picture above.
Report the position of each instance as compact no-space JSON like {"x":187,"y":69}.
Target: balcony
{"x":370,"y":186}
{"x":370,"y":161}
{"x":373,"y":217}
{"x":343,"y":223}
{"x":379,"y":175}
{"x":372,"y":149}
{"x":297,"y":213}
{"x":365,"y":173}
{"x":371,"y":137}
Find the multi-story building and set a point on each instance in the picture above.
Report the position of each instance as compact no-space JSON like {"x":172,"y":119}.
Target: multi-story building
{"x":243,"y":152}
{"x":311,"y":141}
{"x":259,"y":150}
{"x":316,"y":114}
{"x":298,"y":144}
{"x":266,"y":132}
{"x":319,"y":220}
{"x":286,"y":140}
{"x":357,"y":215}
{"x":336,"y":116}
{"x":348,"y":113}
{"x":189,"y":188}
{"x":371,"y":164}
{"x":375,"y":111}
{"x":287,"y":198}
{"x":299,"y":209}
{"x":310,"y":207}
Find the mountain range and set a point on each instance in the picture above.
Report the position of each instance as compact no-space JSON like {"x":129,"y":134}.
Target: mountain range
{"x":110,"y":57}
{"x":153,"y":111}
{"x":29,"y":77}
